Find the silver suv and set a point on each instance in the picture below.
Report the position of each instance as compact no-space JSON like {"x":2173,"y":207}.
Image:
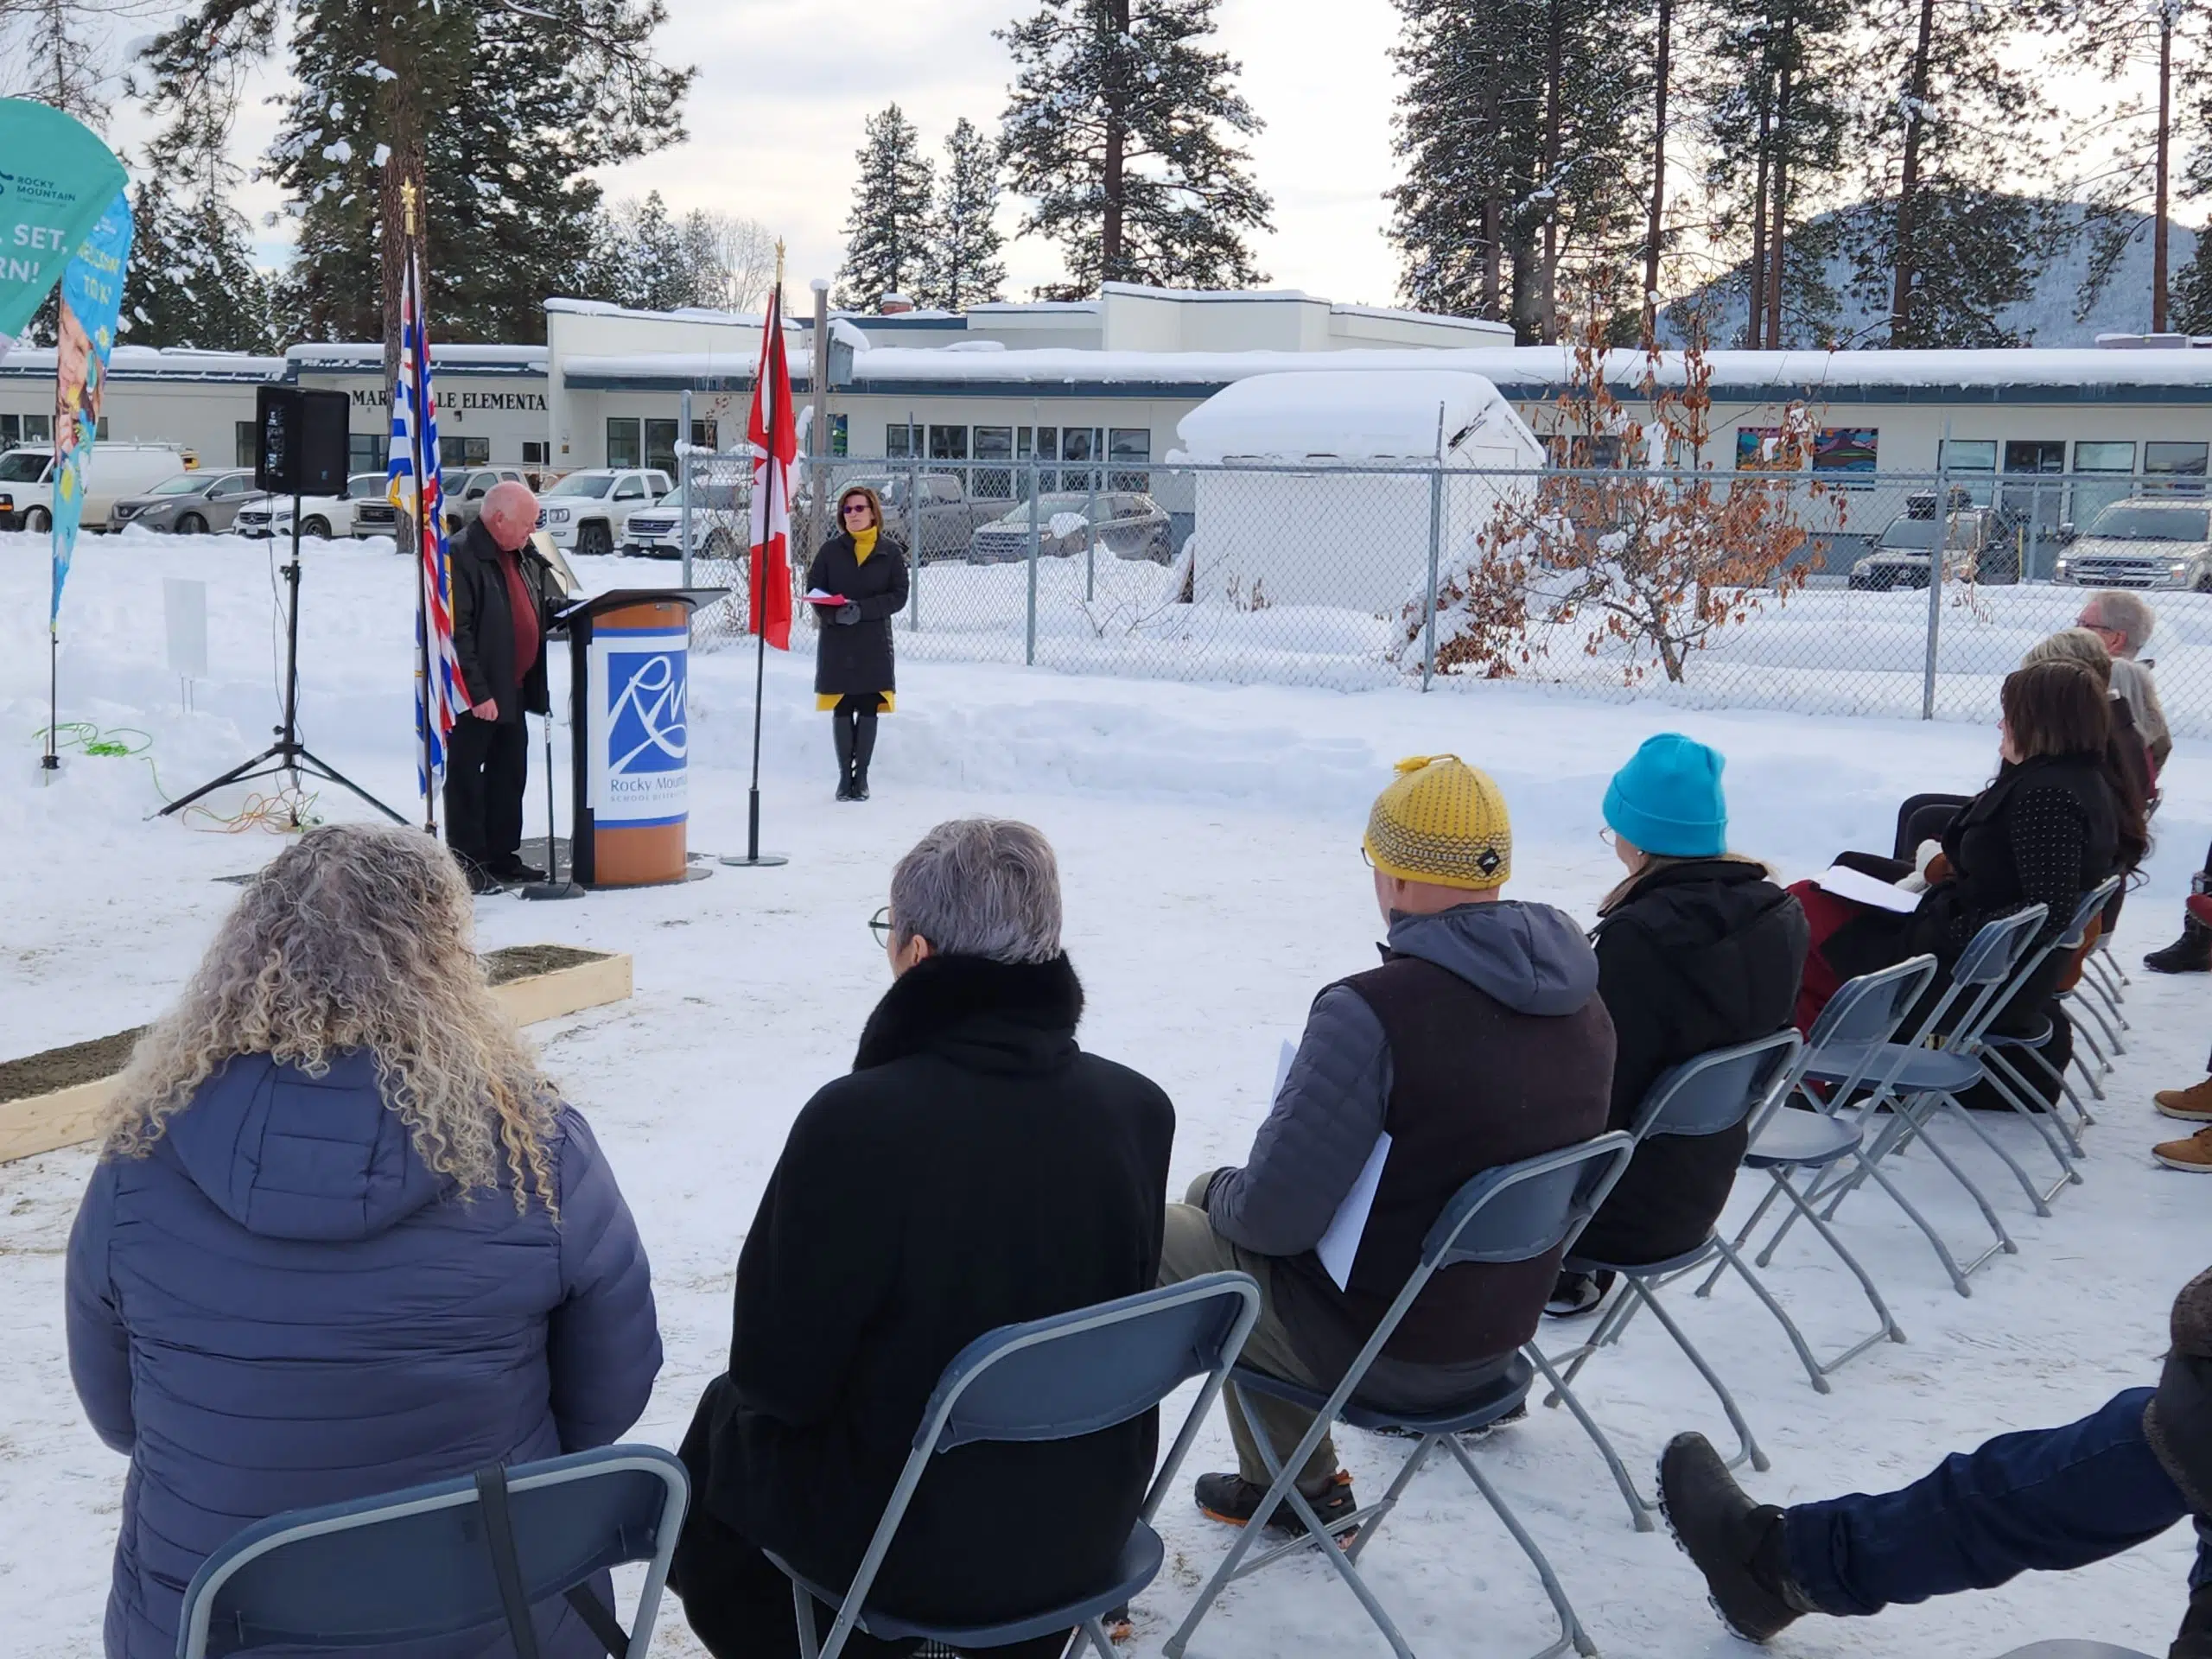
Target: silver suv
{"x":2148,"y":542}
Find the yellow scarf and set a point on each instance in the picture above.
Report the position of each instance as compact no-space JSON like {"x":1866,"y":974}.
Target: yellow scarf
{"x":863,"y":545}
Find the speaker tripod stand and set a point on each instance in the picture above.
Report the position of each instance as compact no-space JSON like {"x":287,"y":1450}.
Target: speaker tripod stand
{"x":287,"y":754}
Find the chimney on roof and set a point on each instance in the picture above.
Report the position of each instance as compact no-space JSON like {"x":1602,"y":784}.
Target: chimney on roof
{"x":893,"y":305}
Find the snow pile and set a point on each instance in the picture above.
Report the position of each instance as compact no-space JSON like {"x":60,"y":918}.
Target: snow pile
{"x":1412,"y":415}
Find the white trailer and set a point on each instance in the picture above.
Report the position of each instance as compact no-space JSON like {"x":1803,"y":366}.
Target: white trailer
{"x":1334,"y":532}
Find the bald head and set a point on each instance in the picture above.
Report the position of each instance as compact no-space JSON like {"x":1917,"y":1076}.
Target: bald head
{"x":510,"y":514}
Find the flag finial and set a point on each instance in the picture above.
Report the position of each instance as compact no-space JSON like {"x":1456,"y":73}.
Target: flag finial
{"x":407,"y":194}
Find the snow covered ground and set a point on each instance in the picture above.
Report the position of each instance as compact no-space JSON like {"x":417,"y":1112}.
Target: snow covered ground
{"x":1208,"y":839}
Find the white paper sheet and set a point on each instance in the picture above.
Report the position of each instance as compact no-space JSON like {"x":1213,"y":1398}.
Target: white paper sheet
{"x":1864,"y":889}
{"x":1339,"y":1246}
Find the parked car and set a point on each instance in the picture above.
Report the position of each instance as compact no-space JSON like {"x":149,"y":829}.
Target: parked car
{"x":190,"y":504}
{"x":720,"y":524}
{"x":951,"y":517}
{"x":322,"y":517}
{"x":1128,"y":526}
{"x":1981,"y":545}
{"x":2155,"y":542}
{"x":586,"y":512}
{"x":466,"y":488}
{"x":115,"y":470}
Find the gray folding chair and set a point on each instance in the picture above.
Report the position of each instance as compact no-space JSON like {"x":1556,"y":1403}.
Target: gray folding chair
{"x":1517,"y":1212}
{"x":2070,"y":1650}
{"x":1998,"y":1047}
{"x":1053,"y":1379}
{"x":1853,"y":1037}
{"x":1707,"y":1095}
{"x":469,"y":1555}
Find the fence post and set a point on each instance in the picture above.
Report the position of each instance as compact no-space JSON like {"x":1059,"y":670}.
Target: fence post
{"x":914,"y":528}
{"x":1090,"y":537}
{"x":683,"y":475}
{"x":1936,"y":551}
{"x":1436,"y":540}
{"x":1029,"y":657}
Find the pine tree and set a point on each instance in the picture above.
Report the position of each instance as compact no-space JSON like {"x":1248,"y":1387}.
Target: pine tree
{"x":495,"y":112}
{"x":886,"y":232}
{"x":1120,"y":130}
{"x":1526,"y":130}
{"x":191,"y":280}
{"x":963,"y":267}
{"x":1772,"y":96}
{"x":1954,"y":118}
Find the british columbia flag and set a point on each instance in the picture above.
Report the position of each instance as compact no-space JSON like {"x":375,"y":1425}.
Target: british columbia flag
{"x":416,"y":491}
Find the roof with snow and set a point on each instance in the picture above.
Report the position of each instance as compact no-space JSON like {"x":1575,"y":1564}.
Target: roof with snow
{"x":149,"y":363}
{"x":1366,"y":415}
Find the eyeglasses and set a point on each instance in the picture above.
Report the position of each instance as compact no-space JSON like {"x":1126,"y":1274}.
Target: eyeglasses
{"x":852,"y":507}
{"x":1366,"y":857}
{"x":880,"y":925}
{"x":1606,"y":834}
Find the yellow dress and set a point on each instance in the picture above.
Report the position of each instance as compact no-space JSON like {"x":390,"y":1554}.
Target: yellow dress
{"x":863,"y":545}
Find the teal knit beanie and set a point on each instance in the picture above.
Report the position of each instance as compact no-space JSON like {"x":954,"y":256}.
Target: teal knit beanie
{"x":1667,"y":800}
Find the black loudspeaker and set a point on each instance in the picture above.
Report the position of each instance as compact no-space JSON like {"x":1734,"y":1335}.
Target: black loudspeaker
{"x":300,"y":441}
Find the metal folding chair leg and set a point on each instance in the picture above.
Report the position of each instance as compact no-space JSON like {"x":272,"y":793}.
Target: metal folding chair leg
{"x":1571,"y":1633}
{"x":2005,"y":1080}
{"x":1889,"y":1330}
{"x":1747,"y":1446}
{"x":1640,"y":1509}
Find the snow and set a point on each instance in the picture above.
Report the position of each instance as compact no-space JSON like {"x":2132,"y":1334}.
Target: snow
{"x":1371,"y":415}
{"x":1207,"y":837}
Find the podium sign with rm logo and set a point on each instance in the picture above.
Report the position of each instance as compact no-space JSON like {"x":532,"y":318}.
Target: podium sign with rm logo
{"x":637,"y":740}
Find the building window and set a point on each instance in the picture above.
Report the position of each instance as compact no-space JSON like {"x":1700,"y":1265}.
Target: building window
{"x":2090,"y":500}
{"x":533,"y":452}
{"x":16,"y":429}
{"x":902,"y":443}
{"x":247,"y":451}
{"x":1130,"y":446}
{"x":624,"y":448}
{"x":660,"y":444}
{"x":947,"y":443}
{"x":840,"y":438}
{"x":1967,"y":455}
{"x":993,"y":443}
{"x":2179,"y":467}
{"x":703,"y":435}
{"x":464,"y":452}
{"x":366,"y":452}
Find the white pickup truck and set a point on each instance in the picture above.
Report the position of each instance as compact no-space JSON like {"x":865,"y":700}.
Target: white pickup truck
{"x":587,"y":512}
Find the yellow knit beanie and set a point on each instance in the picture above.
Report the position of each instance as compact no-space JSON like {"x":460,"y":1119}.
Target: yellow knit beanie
{"x":1441,"y":822}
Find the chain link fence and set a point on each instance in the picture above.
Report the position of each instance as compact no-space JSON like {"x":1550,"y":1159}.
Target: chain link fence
{"x":1813,"y":593}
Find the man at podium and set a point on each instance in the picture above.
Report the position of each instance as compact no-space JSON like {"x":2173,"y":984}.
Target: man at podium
{"x":503,"y":595}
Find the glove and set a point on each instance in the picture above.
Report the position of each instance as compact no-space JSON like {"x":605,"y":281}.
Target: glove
{"x":847,"y":613}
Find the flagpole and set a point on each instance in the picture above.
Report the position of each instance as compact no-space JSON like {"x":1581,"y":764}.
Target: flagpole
{"x":424,"y":713}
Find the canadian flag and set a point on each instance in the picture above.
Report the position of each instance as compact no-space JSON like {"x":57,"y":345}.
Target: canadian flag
{"x":774,"y":435}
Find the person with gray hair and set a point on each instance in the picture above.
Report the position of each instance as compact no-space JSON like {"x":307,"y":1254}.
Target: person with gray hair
{"x":975,"y":1168}
{"x":2124,"y":621}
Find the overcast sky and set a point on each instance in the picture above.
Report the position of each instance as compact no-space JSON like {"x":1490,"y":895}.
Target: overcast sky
{"x":784,"y":87}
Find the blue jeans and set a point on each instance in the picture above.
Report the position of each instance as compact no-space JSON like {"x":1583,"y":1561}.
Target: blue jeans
{"x":2047,"y":1499}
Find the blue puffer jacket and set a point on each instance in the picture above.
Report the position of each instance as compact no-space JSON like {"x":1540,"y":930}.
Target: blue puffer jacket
{"x":281,"y":1306}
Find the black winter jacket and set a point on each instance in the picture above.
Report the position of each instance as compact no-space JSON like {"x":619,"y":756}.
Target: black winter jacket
{"x":976,"y":1168}
{"x":2045,"y":832}
{"x":855,"y":659}
{"x":483,"y":623}
{"x":1698,"y":956}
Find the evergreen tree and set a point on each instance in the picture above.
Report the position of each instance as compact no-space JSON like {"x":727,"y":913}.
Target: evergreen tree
{"x":1120,"y":130}
{"x":963,"y":267}
{"x":191,"y":280}
{"x":1526,"y":130}
{"x":494,"y":111}
{"x":1772,"y":96}
{"x":886,"y":232}
{"x":1953,"y":119}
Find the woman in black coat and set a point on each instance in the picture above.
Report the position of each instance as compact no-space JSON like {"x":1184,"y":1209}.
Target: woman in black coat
{"x":1697,"y":950}
{"x":852,"y":675}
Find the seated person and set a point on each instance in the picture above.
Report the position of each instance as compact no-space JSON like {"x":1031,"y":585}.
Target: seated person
{"x":1697,"y":950}
{"x":974,"y":1169}
{"x":2045,"y":1499}
{"x":1480,"y":1041}
{"x":2055,"y":822}
{"x":343,"y":1236}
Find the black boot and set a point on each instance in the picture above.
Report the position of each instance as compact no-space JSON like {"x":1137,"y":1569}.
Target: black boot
{"x":841,"y":732}
{"x":863,"y":751}
{"x":1736,"y":1543}
{"x":2194,"y":1640}
{"x":2190,"y":953}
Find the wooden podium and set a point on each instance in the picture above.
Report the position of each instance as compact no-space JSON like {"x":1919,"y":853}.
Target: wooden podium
{"x":629,"y":656}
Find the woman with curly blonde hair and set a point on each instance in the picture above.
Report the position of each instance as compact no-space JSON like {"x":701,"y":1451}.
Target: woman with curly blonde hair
{"x":344,"y":1236}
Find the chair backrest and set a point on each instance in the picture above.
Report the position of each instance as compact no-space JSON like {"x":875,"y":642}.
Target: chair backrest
{"x":1987,"y":968}
{"x":1870,"y":1008}
{"x":1076,"y":1373}
{"x":1992,"y":953}
{"x":415,"y":1565}
{"x":1718,"y":1089}
{"x":2091,"y":907}
{"x":1517,"y":1212}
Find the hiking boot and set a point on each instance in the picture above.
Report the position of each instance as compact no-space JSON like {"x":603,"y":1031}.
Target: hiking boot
{"x":1577,"y":1293}
{"x":2194,"y":1640}
{"x":2191,"y":1105}
{"x":2190,"y":953}
{"x":1236,"y":1500}
{"x":1736,"y":1543}
{"x":2193,"y":1154}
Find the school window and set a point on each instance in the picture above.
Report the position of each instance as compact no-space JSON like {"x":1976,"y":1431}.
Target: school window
{"x":994,"y":443}
{"x":902,"y":443}
{"x":463,"y":452}
{"x":839,"y":438}
{"x":533,"y":452}
{"x":703,"y":435}
{"x":947,"y":443}
{"x":244,"y":447}
{"x":624,"y":445}
{"x":2090,"y":500}
{"x":1129,"y":446}
{"x":660,"y":444}
{"x":2179,"y":467}
{"x":25,"y":429}
{"x":366,"y":452}
{"x":1967,"y":455}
